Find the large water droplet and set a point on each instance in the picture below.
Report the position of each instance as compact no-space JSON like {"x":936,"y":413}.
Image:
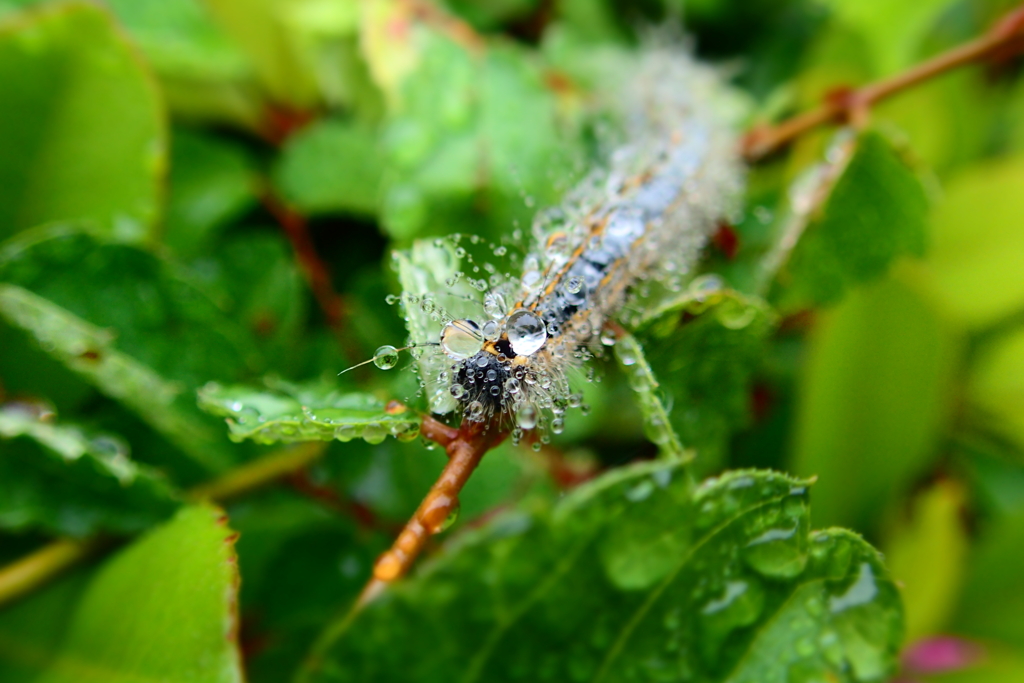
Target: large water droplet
{"x":526,"y":416}
{"x":526,"y":332}
{"x":386,"y":357}
{"x":462,"y":339}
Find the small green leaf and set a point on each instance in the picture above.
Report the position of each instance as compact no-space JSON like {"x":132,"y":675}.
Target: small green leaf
{"x":853,"y":218}
{"x":164,"y":609}
{"x":58,"y":478}
{"x":81,"y":124}
{"x":212,"y":182}
{"x":129,"y":324}
{"x":657,"y":425}
{"x":332,"y":166}
{"x":315,"y":413}
{"x":703,"y":346}
{"x":635,"y":576}
{"x":876,"y":388}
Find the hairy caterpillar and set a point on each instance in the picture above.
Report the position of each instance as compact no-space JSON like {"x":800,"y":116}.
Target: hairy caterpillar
{"x":642,"y":219}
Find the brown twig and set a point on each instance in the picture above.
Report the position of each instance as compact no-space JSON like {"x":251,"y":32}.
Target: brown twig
{"x":762,"y":141}
{"x":465,"y":448}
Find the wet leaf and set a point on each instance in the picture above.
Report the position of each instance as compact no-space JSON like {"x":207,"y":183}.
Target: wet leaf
{"x":876,"y":387}
{"x":129,"y":324}
{"x":59,"y":478}
{"x":162,"y":609}
{"x":853,"y":217}
{"x":81,"y":125}
{"x":703,"y":347}
{"x":312,"y":413}
{"x":635,"y":576}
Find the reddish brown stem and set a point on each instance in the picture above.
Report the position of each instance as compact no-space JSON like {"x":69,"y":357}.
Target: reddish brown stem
{"x":313,"y":267}
{"x":465,"y":450}
{"x":765,"y":140}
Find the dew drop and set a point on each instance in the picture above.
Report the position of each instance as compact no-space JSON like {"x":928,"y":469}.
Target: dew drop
{"x":386,"y":357}
{"x":461,"y":339}
{"x":574,"y":285}
{"x":526,"y":332}
{"x":526,"y":417}
{"x":491,"y":330}
{"x":457,"y":390}
{"x":494,"y":305}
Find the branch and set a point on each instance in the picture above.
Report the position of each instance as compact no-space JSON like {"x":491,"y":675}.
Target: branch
{"x":762,"y":141}
{"x":36,"y":569}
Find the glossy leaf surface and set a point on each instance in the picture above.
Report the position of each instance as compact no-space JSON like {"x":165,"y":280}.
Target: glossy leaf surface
{"x":636,"y":576}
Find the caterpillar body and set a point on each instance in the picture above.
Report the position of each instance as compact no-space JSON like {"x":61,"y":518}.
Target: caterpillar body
{"x":640,"y":221}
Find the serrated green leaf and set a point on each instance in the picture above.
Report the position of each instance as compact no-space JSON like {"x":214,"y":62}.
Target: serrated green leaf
{"x":876,"y":387}
{"x":164,"y":609}
{"x":81,"y":125}
{"x":60,"y":479}
{"x":703,"y":347}
{"x":332,"y":166}
{"x":316,"y":413}
{"x":635,"y":576}
{"x":657,"y":425}
{"x":127,"y":323}
{"x":853,"y":218}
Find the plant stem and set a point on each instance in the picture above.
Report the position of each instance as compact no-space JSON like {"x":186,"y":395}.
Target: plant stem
{"x":762,"y":141}
{"x":37,"y":568}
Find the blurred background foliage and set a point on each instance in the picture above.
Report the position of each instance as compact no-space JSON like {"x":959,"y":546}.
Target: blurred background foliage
{"x":204,"y":195}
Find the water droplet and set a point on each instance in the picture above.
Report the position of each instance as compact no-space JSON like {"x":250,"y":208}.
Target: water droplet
{"x":494,"y":305}
{"x":457,"y":390}
{"x":440,"y":512}
{"x":861,"y":591}
{"x":386,"y":357}
{"x":374,"y":433}
{"x":574,"y":284}
{"x":512,"y":385}
{"x":705,"y":286}
{"x":558,"y":425}
{"x":461,"y":339}
{"x":391,"y":299}
{"x":526,"y":417}
{"x":491,"y":330}
{"x":475,"y":410}
{"x":526,"y":332}
{"x":500,"y":251}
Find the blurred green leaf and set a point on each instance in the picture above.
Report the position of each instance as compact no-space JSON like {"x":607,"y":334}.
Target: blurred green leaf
{"x":875,"y":393}
{"x":634,"y":575}
{"x":60,"y":479}
{"x":332,"y":166}
{"x":973,"y":265}
{"x":996,"y":387}
{"x":704,"y":347}
{"x":993,"y":596}
{"x":311,"y":413}
{"x":81,"y":125}
{"x":128,"y":323}
{"x":164,"y":609}
{"x":851,"y":227}
{"x":926,"y":554}
{"x":211,"y":183}
{"x":31,"y":630}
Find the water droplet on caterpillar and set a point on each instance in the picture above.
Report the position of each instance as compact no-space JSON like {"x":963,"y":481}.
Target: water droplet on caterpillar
{"x":386,"y":357}
{"x":462,"y":339}
{"x":526,"y":332}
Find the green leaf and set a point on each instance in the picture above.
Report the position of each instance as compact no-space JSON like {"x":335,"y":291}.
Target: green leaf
{"x":311,"y":413}
{"x":635,"y":576}
{"x":853,"y":217}
{"x":993,"y":594}
{"x":164,"y":609}
{"x":973,"y":263}
{"x":657,"y":425}
{"x":704,"y":346}
{"x":81,"y":125}
{"x":129,"y":324}
{"x":212,"y":182}
{"x":62,"y":480}
{"x":996,"y":385}
{"x":332,"y":166}
{"x":875,"y":392}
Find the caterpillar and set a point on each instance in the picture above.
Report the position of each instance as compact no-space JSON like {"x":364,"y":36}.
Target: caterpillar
{"x":638,"y":222}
